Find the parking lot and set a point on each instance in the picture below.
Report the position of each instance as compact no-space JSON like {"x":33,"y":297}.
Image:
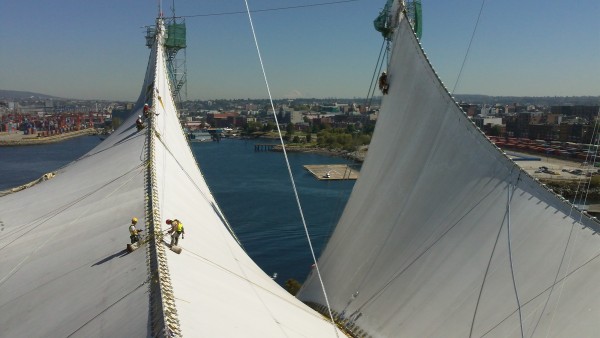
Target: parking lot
{"x":557,"y":169}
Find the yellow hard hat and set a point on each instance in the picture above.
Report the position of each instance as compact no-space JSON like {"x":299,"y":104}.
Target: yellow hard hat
{"x":134,"y":220}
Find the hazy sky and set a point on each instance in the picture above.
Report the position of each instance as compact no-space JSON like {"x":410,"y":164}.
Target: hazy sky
{"x":96,"y":49}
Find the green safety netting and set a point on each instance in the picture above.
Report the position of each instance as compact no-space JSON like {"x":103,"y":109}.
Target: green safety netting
{"x":175,"y":36}
{"x":413,"y":9}
{"x":381,"y":23}
{"x":384,"y":23}
{"x":176,"y":33}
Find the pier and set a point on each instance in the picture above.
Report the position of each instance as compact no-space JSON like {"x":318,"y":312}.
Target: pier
{"x":264,"y":147}
{"x":332,"y":171}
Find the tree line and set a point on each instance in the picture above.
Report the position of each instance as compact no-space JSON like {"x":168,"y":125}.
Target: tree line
{"x":319,"y":135}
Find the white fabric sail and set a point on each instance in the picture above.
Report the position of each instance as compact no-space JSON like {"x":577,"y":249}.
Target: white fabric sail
{"x":444,"y":236}
{"x":63,"y":268}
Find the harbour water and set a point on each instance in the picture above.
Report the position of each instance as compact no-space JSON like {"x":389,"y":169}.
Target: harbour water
{"x":255,"y":193}
{"x":23,"y":164}
{"x":252,"y":188}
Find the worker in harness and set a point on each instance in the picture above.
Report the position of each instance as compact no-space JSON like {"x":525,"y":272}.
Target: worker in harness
{"x":383,"y":83}
{"x":134,"y":233}
{"x":146,"y":110}
{"x":176,"y":231}
{"x":139,"y":123}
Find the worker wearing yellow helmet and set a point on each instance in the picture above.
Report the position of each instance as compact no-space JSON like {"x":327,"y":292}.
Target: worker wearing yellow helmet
{"x":176,"y":231}
{"x":134,"y":233}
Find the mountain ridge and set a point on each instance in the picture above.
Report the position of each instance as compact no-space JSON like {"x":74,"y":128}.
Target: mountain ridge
{"x":465,"y":98}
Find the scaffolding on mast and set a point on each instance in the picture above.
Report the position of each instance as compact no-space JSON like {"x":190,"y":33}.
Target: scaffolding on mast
{"x":175,"y":47}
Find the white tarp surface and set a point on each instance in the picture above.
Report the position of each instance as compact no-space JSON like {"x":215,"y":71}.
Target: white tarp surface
{"x":422,"y":248}
{"x":219,"y":290}
{"x":63,"y":268}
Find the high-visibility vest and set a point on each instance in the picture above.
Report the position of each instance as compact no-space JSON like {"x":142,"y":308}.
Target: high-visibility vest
{"x":132,"y":230}
{"x":179,"y":227}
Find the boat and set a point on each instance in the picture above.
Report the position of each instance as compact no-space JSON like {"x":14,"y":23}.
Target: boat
{"x":65,"y":270}
{"x":200,"y":136}
{"x":444,"y":235}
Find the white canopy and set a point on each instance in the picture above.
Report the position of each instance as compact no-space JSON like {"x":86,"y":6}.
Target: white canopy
{"x":63,"y":268}
{"x":444,"y":236}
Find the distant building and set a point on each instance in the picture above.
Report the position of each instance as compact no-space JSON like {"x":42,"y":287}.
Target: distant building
{"x":334,"y":108}
{"x":487,"y":110}
{"x":469,"y":109}
{"x":546,"y":132}
{"x":570,"y":132}
{"x":223,"y":120}
{"x":481,"y":121}
{"x":587,"y":112}
{"x":194,"y":125}
{"x":552,"y":118}
{"x":522,"y":125}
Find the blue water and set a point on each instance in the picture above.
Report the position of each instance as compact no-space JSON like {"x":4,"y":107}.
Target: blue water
{"x":255,"y":193}
{"x":23,"y":164}
{"x":252,"y":188}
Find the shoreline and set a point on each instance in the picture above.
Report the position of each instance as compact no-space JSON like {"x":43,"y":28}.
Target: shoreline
{"x":19,"y":139}
{"x":567,"y":187}
{"x":357,"y":156}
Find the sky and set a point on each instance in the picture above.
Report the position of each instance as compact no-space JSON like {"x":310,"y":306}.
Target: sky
{"x":96,"y":50}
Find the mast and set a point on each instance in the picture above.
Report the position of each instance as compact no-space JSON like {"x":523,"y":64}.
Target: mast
{"x":387,"y":20}
{"x":175,"y":43}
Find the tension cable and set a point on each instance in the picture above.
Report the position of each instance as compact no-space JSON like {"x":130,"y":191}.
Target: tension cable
{"x":287,"y":162}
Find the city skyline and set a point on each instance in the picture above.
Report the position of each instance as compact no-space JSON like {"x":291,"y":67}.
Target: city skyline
{"x":88,"y":51}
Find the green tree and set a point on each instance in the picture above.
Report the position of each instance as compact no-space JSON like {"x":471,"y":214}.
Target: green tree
{"x":289,"y":128}
{"x":268,"y":127}
{"x":495,"y":130}
{"x":301,"y":107}
{"x":368,"y":128}
{"x":289,"y":132}
{"x":364,"y":139}
{"x":252,"y":126}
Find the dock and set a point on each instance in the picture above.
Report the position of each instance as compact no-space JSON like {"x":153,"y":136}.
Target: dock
{"x":264,"y":147}
{"x":332,"y":171}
